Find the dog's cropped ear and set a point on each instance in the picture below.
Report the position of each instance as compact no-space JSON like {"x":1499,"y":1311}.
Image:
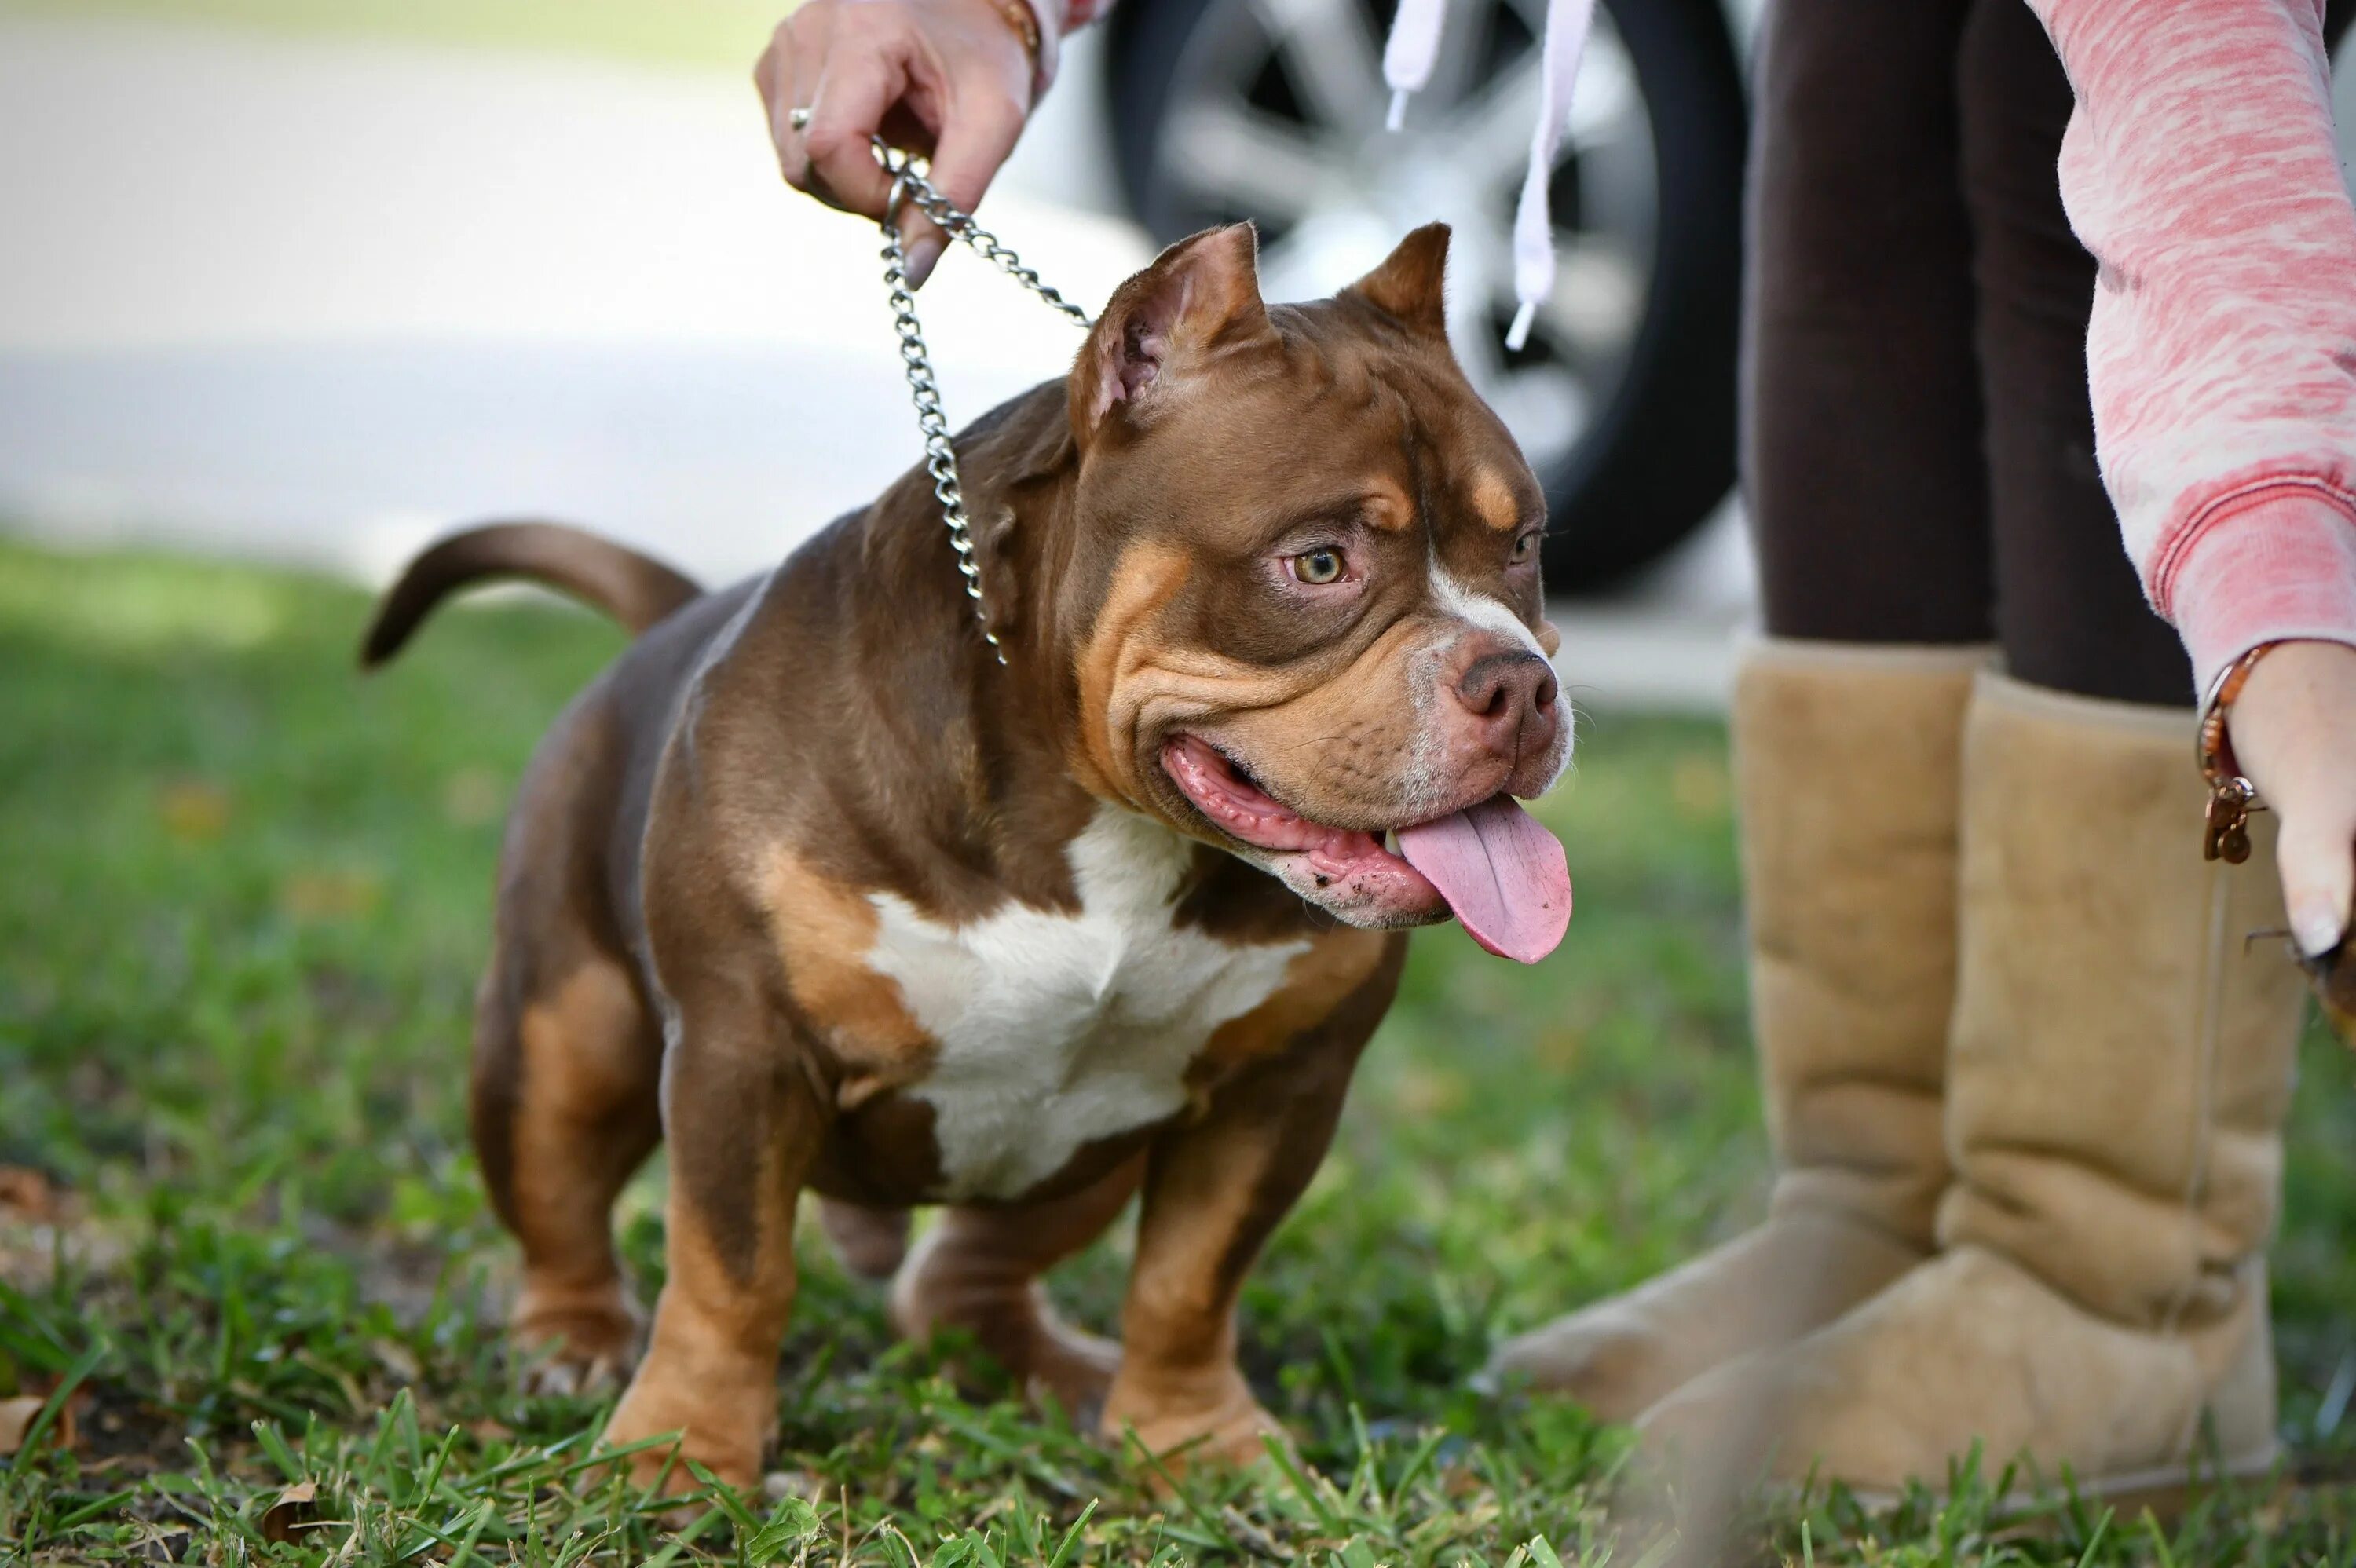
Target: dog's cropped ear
{"x":1167,"y":326}
{"x":1410,"y":285}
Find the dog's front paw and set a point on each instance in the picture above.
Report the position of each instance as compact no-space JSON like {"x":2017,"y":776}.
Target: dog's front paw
{"x":574,"y":1341}
{"x":1229,"y":1430}
{"x":723,"y":1430}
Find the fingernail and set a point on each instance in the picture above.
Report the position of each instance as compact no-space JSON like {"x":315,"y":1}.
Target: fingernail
{"x":924,"y":253}
{"x":2316,"y":925}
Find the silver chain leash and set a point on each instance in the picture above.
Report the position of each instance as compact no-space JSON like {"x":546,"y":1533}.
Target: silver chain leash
{"x":912,"y":189}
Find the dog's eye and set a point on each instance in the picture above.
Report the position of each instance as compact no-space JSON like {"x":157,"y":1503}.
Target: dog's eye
{"x":1318,"y":565}
{"x":1524,"y":546}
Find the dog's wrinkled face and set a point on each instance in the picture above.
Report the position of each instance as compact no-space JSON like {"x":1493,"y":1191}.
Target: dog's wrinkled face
{"x":1310,"y":613}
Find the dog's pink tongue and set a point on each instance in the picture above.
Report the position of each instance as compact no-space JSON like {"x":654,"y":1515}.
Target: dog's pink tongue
{"x":1503,"y":874}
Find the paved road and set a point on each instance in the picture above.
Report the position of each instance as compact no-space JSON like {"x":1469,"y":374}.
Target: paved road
{"x":317,"y":301}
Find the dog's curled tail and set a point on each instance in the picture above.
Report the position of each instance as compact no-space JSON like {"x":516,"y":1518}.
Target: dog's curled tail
{"x":636,"y":590}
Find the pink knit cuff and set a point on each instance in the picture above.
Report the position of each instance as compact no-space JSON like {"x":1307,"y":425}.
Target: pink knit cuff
{"x":2277,"y":564}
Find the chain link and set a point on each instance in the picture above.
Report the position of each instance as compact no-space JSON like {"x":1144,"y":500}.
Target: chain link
{"x":910,"y":187}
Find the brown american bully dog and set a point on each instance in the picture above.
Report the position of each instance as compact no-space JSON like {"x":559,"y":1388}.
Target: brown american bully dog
{"x":810,"y":886}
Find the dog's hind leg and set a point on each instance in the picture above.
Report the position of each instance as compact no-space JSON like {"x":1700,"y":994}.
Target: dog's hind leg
{"x":871,"y":1242}
{"x":565,"y":1108}
{"x":978,"y":1269}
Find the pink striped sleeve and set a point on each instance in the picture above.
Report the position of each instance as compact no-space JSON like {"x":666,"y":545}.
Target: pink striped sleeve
{"x":1057,"y":17}
{"x":2199,"y":170}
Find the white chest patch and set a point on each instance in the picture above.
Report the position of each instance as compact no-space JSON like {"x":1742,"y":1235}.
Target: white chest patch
{"x":1056,"y":1029}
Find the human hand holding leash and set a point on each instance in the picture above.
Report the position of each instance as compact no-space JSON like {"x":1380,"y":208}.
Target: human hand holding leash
{"x":950,"y":79}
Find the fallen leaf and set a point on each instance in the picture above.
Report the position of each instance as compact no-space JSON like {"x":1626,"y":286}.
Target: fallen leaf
{"x":17,"y":1418}
{"x":290,"y":1513}
{"x":26,"y":1194}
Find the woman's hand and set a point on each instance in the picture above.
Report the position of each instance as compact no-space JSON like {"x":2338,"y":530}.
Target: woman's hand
{"x":949,"y":78}
{"x":2294,"y":731}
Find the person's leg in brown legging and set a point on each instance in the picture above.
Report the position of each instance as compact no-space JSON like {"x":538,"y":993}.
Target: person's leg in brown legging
{"x":2117,"y":1066}
{"x":2070,"y":612}
{"x":1861,"y":425}
{"x":1864,"y":475}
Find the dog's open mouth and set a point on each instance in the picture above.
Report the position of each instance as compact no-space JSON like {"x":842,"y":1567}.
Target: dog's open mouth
{"x":1502,"y":875}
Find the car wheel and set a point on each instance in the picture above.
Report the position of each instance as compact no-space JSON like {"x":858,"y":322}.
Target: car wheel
{"x":1272,"y":110}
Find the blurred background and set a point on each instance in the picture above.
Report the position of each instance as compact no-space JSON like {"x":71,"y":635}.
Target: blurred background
{"x":311,"y":281}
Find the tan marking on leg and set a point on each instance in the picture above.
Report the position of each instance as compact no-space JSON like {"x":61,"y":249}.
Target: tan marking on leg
{"x":583,"y":1120}
{"x":710,"y":1366}
{"x":744,"y":1129}
{"x":1178,"y":1390}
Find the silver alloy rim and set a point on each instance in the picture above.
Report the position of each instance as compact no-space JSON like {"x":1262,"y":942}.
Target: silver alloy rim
{"x":1334,"y":191}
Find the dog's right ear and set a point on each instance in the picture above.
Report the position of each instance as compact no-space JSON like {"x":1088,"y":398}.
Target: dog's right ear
{"x":1410,"y":287}
{"x":1198,"y":303}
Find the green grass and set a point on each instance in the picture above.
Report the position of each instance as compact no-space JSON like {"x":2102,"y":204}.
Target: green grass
{"x":243,"y":898}
{"x":721,"y":33}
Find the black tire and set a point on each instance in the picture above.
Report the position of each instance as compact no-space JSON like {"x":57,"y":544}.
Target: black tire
{"x":1660,"y":455}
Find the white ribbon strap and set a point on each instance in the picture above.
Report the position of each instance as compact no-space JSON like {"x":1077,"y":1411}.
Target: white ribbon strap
{"x":1408,"y":59}
{"x":1409,"y":56}
{"x":1568,"y":22}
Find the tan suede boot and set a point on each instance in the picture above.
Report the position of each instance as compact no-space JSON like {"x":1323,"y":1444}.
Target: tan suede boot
{"x":1847,"y":760}
{"x":2120,"y":1070}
